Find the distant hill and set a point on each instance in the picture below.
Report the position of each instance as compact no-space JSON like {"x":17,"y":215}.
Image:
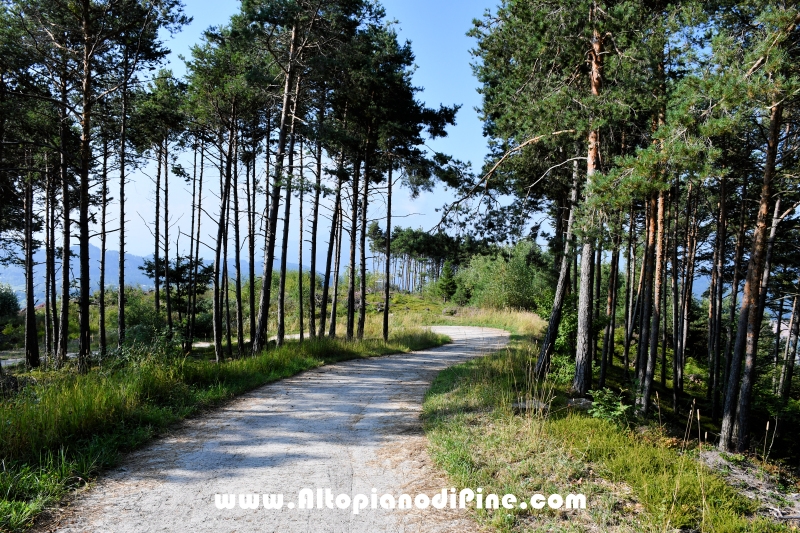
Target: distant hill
{"x":15,"y":275}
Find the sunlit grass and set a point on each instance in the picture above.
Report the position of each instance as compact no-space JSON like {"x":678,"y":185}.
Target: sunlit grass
{"x":632,"y":482}
{"x":61,"y":431}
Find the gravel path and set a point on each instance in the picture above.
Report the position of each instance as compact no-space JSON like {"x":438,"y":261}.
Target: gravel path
{"x":349,"y":427}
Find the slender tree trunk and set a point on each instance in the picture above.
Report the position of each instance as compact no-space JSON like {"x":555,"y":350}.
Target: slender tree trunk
{"x":630,"y":283}
{"x":717,"y":297}
{"x":49,"y":296}
{"x":218,"y":266}
{"x":676,"y":303}
{"x":737,"y":263}
{"x":260,"y":337}
{"x":157,"y":248}
{"x":31,"y":333}
{"x":226,"y":279}
{"x":312,"y":275}
{"x":749,"y":324}
{"x":644,"y":401}
{"x":300,"y":250}
{"x":103,"y":237}
{"x":780,"y":373}
{"x":334,"y":303}
{"x":583,"y":363}
{"x":647,"y":301}
{"x":193,"y":296}
{"x":607,"y":356}
{"x":331,"y":245}
{"x":63,"y":320}
{"x":351,"y":280}
{"x":548,"y":342}
{"x":87,"y":100}
{"x":123,"y":133}
{"x":237,"y":256}
{"x":790,"y":354}
{"x":285,"y":240}
{"x":362,"y":310}
{"x":167,"y":292}
{"x":388,"y":252}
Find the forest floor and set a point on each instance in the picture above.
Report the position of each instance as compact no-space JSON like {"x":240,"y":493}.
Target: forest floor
{"x":350,"y":427}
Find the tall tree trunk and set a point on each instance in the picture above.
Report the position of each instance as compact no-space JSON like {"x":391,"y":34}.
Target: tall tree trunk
{"x":312,"y":274}
{"x":87,"y":99}
{"x":237,"y":250}
{"x":260,"y":337}
{"x":717,"y":297}
{"x":780,"y":373}
{"x":187,"y":341}
{"x":388,"y":252}
{"x":607,"y":356}
{"x":193,"y":296}
{"x":218,"y":267}
{"x":790,"y":354}
{"x":658,"y":282}
{"x":334,"y":303}
{"x":300,"y":249}
{"x":167,"y":292}
{"x":548,"y":342}
{"x":630,"y":283}
{"x":583,"y":363}
{"x":63,"y":319}
{"x":285,"y":239}
{"x":351,"y":279}
{"x":362,"y":310}
{"x":123,"y":133}
{"x":737,"y":263}
{"x":331,"y":245}
{"x":103,"y":237}
{"x":31,"y":334}
{"x":157,"y":248}
{"x":749,"y":324}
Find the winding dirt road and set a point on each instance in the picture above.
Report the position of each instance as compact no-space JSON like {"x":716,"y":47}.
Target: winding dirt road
{"x":348,"y":427}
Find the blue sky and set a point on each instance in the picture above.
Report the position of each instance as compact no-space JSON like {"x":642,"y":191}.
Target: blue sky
{"x":437,"y":31}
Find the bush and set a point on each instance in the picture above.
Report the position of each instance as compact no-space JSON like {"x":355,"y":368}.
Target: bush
{"x":608,"y":405}
{"x":514,"y":279}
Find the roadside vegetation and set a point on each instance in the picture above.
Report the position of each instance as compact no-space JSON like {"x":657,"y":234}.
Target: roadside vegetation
{"x":62,"y":427}
{"x":491,"y":424}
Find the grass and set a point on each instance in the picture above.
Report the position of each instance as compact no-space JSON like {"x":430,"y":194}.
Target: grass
{"x":59,"y":433}
{"x":633,"y":481}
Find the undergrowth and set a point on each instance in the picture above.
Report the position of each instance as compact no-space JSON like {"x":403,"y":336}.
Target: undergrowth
{"x":632,"y":481}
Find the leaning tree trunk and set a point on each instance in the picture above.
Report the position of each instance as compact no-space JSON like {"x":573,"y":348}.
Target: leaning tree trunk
{"x":331,"y":245}
{"x":548,"y":342}
{"x":749,"y":323}
{"x":285,"y":240}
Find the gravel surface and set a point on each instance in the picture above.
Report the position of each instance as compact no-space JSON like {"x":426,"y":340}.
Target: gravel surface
{"x":348,"y":427}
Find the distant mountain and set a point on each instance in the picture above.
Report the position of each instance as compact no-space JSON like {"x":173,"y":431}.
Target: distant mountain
{"x":14,"y":275}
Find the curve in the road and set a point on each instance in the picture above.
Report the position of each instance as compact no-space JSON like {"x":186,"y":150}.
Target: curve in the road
{"x":348,"y":427}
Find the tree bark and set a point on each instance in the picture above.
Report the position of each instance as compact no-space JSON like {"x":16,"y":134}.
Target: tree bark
{"x":351,"y":278}
{"x":548,"y":342}
{"x":388,"y":253}
{"x":260,"y":337}
{"x":31,"y":334}
{"x":749,"y":325}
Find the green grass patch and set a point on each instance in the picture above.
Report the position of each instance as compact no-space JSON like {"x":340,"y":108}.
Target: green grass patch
{"x":632,"y":482}
{"x":60,"y":432}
